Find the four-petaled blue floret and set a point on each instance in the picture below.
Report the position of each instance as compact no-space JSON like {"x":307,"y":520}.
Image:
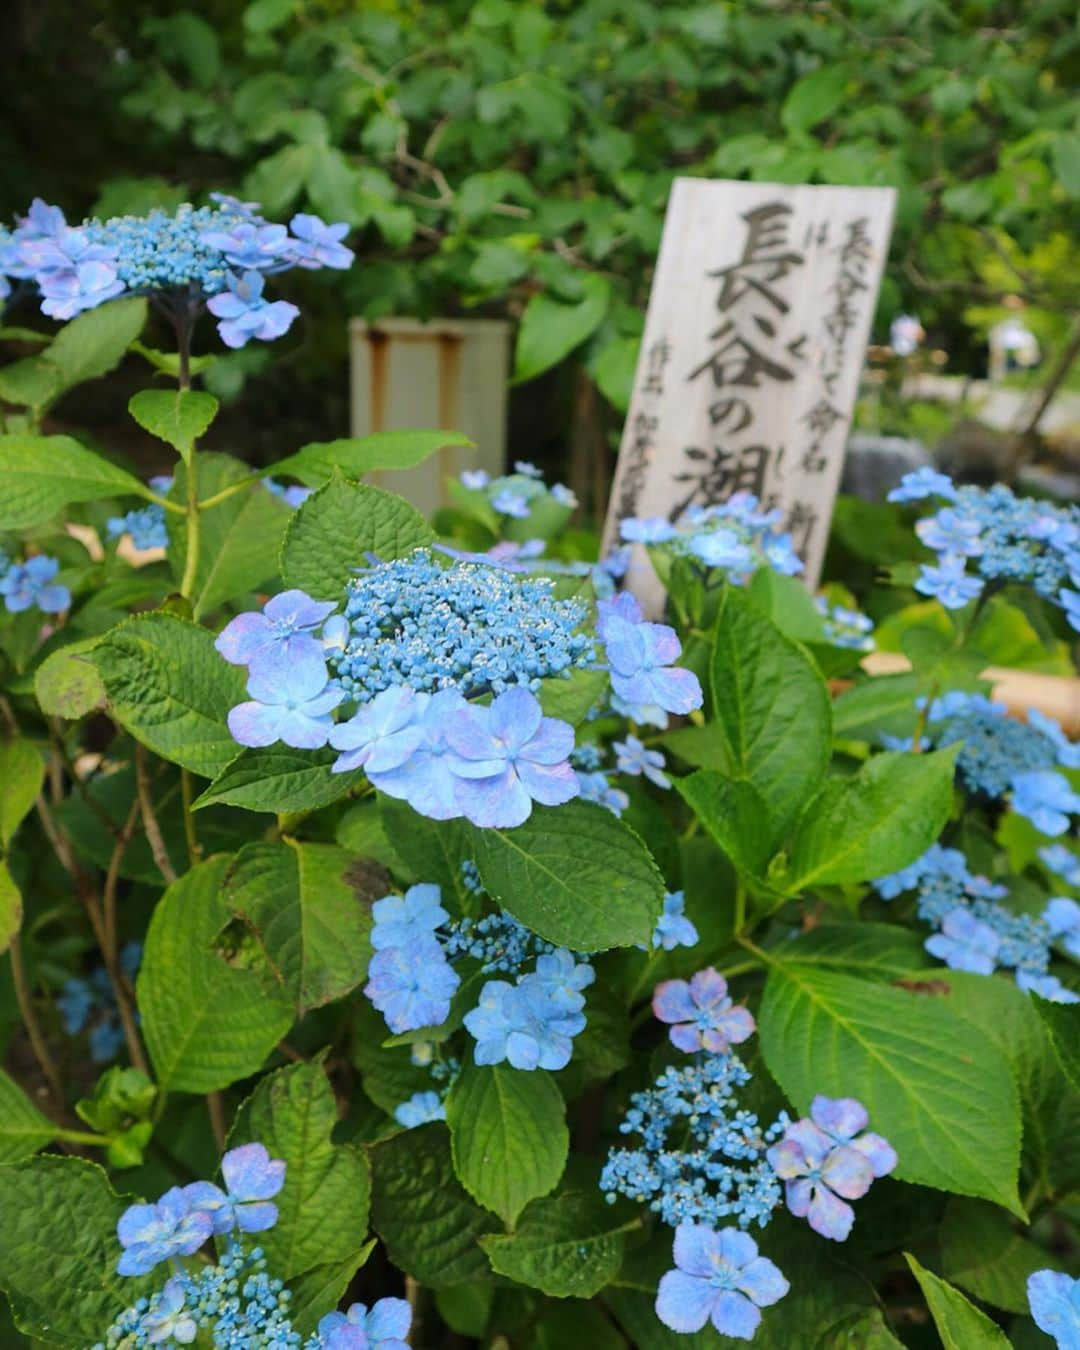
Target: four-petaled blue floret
{"x":31,"y":584}
{"x":700,"y":1013}
{"x":719,"y":1278}
{"x":382,"y":1327}
{"x":252,"y":1178}
{"x":153,"y":1233}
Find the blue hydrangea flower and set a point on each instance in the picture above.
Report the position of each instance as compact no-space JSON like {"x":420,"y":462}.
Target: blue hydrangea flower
{"x":245,"y":313}
{"x":1062,"y":862}
{"x":640,"y":656}
{"x":151,"y":1234}
{"x":1054,"y":1299}
{"x":252,"y":1178}
{"x":523,"y":466}
{"x":475,"y":479}
{"x":420,"y":1109}
{"x":673,"y":928}
{"x":828,"y":1160}
{"x":510,"y":503}
{"x":145,"y":524}
{"x":965,"y":943}
{"x":383,"y":734}
{"x":718,"y":1278}
{"x":650,"y":530}
{"x":412,"y":986}
{"x":633,"y":758}
{"x":1067,"y":752}
{"x":948,"y":582}
{"x":1046,"y":799}
{"x":290,"y":704}
{"x":250,"y":245}
{"x":293,"y":496}
{"x":846,"y":627}
{"x":282,"y":635}
{"x":1048,"y":987}
{"x":384,"y":1327}
{"x":403,"y":919}
{"x":425,"y":779}
{"x":561,"y":978}
{"x":31,"y":583}
{"x":924,"y":482}
{"x":724,"y":549}
{"x":951,"y":532}
{"x":522,"y":1026}
{"x":506,"y":756}
{"x":168,"y":1319}
{"x":316,"y":244}
{"x":734,"y":537}
{"x":1063,"y":919}
{"x":72,"y":272}
{"x":700,"y":1013}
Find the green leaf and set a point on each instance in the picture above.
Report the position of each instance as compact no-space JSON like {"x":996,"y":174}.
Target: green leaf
{"x":875,"y":822}
{"x":356,"y":456}
{"x":206,"y":1023}
{"x":58,"y":1251}
{"x":934,"y":1085}
{"x":734,"y":814}
{"x":307,"y":916}
{"x":22,"y":772}
{"x":42,"y":474}
{"x":1065,"y":153}
{"x":30,"y":383}
{"x":1062,"y":1021}
{"x":280,"y":780}
{"x":508,"y":1135}
{"x":67,"y":684}
{"x":771,"y":709}
{"x":960,"y":1324}
{"x":419,"y":1209}
{"x":176,"y":416}
{"x":876,"y":951}
{"x":814,"y":98}
{"x":885,"y":703}
{"x":983,"y":1253}
{"x":11,"y":907}
{"x":94,"y":342}
{"x":570,"y":700}
{"x":323,"y":1206}
{"x":334,"y":530}
{"x":169,"y":687}
{"x":551,"y":329}
{"x":23,"y":1129}
{"x":574,"y":874}
{"x":568,"y":1246}
{"x":264,"y":16}
{"x":322,"y":1288}
{"x":432,"y":849}
{"x":615,"y":368}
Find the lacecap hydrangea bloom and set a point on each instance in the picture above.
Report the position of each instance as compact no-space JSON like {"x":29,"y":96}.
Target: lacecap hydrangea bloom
{"x":33,"y":585}
{"x":719,"y":1278}
{"x":521,"y":494}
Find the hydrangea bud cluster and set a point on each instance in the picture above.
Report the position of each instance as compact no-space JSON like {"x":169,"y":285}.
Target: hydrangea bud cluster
{"x":91,"y":1002}
{"x":1001,"y":537}
{"x":32,"y":585}
{"x":215,"y":255}
{"x":518,"y":495}
{"x":975,"y":932}
{"x":735,"y":538}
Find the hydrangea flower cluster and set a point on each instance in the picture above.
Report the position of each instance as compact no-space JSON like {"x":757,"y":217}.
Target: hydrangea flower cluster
{"x":92,"y":1002}
{"x":518,"y":494}
{"x":978,"y":934}
{"x":1003,"y":537}
{"x":145,"y":525}
{"x":735,"y":538}
{"x":215,"y":255}
{"x":594,"y":779}
{"x":32,"y":585}
{"x":845,"y":627}
{"x":673,"y":928}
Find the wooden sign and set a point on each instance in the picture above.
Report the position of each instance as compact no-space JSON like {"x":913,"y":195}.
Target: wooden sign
{"x":749,"y":367}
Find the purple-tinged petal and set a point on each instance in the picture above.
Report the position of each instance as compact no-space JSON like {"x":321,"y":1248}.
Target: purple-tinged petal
{"x":847,"y":1172}
{"x":763,"y":1282}
{"x":708,"y":988}
{"x":696,"y":1248}
{"x":842,"y":1117}
{"x":734,"y":1315}
{"x":672,"y":1002}
{"x":684,"y":1303}
{"x":829,"y":1216}
{"x":878,"y":1152}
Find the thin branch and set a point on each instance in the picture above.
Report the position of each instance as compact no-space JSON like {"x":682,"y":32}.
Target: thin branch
{"x":151,"y":825}
{"x":215,"y":1108}
{"x":112,"y":881}
{"x":191,"y":836}
{"x":38,"y":1044}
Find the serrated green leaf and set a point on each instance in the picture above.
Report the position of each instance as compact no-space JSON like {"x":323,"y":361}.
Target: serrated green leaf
{"x":960,"y":1324}
{"x":23,"y":1129}
{"x":571,"y":699}
{"x":935,"y":1086}
{"x":508,"y":1135}
{"x":307,"y":914}
{"x":11,"y":911}
{"x":42,"y":474}
{"x":574,"y":874}
{"x":356,"y":456}
{"x":551,"y":329}
{"x":429,"y":1224}
{"x":323,"y":1206}
{"x":206,"y":1023}
{"x":885,"y":703}
{"x":733,"y":812}
{"x":176,"y":416}
{"x":567,"y":1246}
{"x":431,"y":849}
{"x":1062,"y":1022}
{"x":67,"y":684}
{"x":22,"y":772}
{"x":169,"y":687}
{"x":94,"y":342}
{"x":983,"y":1253}
{"x":279,"y":779}
{"x":322,"y":1288}
{"x":877,"y":951}
{"x":332,"y":533}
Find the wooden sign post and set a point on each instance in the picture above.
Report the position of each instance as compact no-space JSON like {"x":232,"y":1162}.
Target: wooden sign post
{"x":754,"y":339}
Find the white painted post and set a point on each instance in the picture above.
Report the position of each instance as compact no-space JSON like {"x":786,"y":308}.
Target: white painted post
{"x":758,"y":319}
{"x":449,"y":374}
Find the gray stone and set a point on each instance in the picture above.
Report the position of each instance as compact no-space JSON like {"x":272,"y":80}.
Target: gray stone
{"x":873,"y":465}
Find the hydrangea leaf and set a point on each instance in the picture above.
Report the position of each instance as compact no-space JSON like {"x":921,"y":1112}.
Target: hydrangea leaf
{"x":280,"y":779}
{"x":323,"y":1287}
{"x":206,"y":1023}
{"x":58,"y":1251}
{"x":307,"y":914}
{"x":770,"y":708}
{"x":11,"y":910}
{"x":432,"y":849}
{"x":876,"y":951}
{"x":355,"y":456}
{"x":574,"y":874}
{"x":323,"y":1206}
{"x":567,"y":1246}
{"x":66,"y":684}
{"x":22,"y":772}
{"x":508,"y":1135}
{"x":176,"y":416}
{"x":875,"y":822}
{"x":94,"y":342}
{"x":422,"y":1213}
{"x":551,"y":329}
{"x":570,"y":700}
{"x":885,"y":703}
{"x":733,"y":812}
{"x":983,"y":1253}
{"x":41,"y":474}
{"x":1062,"y":1021}
{"x":332,"y":533}
{"x":935,"y":1085}
{"x":170,"y":689}
{"x":960,"y":1324}
{"x":23,"y":1129}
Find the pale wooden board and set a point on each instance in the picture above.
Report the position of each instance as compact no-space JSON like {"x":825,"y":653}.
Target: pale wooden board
{"x":751,"y":366}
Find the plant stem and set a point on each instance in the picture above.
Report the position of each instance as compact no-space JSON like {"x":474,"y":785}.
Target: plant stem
{"x":740,"y":906}
{"x":191,"y":562}
{"x":82,"y":1137}
{"x":187,"y":795}
{"x":151,"y":825}
{"x":230,"y":491}
{"x":38,"y":1044}
{"x":215,"y":1107}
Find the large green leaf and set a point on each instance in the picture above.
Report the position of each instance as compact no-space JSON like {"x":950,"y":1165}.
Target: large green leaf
{"x":960,"y":1324}
{"x":206,"y":1022}
{"x":885,"y":703}
{"x":508,"y":1135}
{"x":338,"y":526}
{"x":94,"y":342}
{"x":67,"y":684}
{"x":322,"y":1288}
{"x":431,"y":849}
{"x":354,"y":457}
{"x":307,"y":915}
{"x":983,"y":1253}
{"x":280,"y":779}
{"x":567,"y":1246}
{"x":176,"y":416}
{"x":934,"y":1084}
{"x":876,"y":822}
{"x":323,"y":1206}
{"x":23,"y":1129}
{"x":876,"y":951}
{"x":58,"y":1251}
{"x":11,"y":907}
{"x":574,"y":874}
{"x":169,"y":688}
{"x":22,"y":772}
{"x":551,"y":329}
{"x":814,"y":97}
{"x":429,"y":1224}
{"x":1062,"y":1022}
{"x":42,"y":474}
{"x":734,"y":813}
{"x":771,"y":709}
